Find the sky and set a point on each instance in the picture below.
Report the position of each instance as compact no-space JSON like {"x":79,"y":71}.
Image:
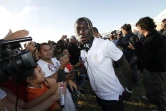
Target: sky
{"x":50,"y":19}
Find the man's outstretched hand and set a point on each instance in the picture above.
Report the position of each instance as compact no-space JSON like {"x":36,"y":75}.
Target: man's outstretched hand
{"x":16,"y":35}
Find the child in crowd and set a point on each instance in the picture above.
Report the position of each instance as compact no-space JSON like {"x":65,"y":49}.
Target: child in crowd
{"x":38,"y":85}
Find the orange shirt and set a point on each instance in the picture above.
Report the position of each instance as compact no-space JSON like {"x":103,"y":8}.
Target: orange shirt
{"x":33,"y":93}
{"x":12,"y":87}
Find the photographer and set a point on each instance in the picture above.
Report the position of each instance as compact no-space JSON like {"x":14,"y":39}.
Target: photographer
{"x":113,"y":37}
{"x":153,"y":56}
{"x":128,"y":53}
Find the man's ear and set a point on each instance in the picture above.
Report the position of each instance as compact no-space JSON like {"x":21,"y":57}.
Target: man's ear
{"x":29,"y":79}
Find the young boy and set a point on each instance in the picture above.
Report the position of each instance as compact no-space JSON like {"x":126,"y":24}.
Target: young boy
{"x":38,"y":85}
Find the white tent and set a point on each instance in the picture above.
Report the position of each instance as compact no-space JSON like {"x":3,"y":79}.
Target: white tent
{"x":160,"y":16}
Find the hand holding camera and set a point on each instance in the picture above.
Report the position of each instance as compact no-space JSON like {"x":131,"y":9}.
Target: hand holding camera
{"x":30,"y":46}
{"x":131,"y":46}
{"x":134,"y":40}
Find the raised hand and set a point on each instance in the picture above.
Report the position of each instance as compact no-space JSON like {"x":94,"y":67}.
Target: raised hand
{"x":65,"y":60}
{"x":16,"y":35}
{"x":30,"y":46}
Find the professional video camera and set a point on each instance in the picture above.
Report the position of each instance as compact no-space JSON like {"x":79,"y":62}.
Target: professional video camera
{"x":134,"y":40}
{"x":11,"y":64}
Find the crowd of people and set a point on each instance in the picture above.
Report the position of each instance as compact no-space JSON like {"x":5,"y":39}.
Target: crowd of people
{"x":91,"y":54}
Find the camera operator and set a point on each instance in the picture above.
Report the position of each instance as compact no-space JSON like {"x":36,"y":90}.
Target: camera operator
{"x":9,"y":98}
{"x":153,"y":56}
{"x":128,"y":53}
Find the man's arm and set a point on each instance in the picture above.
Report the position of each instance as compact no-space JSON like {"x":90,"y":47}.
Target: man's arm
{"x":124,"y":65}
{"x":116,"y":54}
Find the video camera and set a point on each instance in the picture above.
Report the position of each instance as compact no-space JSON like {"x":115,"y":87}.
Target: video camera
{"x":12,"y":64}
{"x":134,"y":40}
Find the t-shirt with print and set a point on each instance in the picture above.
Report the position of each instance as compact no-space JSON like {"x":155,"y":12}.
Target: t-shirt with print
{"x":49,"y":69}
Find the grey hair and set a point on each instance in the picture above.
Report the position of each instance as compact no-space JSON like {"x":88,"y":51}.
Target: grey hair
{"x":72,"y":37}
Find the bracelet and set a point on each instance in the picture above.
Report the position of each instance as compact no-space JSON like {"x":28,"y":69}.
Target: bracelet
{"x":128,"y":90}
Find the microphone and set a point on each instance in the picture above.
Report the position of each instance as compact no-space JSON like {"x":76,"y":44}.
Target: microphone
{"x":62,"y":98}
{"x":61,"y":78}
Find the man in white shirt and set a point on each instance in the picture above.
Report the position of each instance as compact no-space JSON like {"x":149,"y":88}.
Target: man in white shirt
{"x":50,"y":66}
{"x":98,"y":57}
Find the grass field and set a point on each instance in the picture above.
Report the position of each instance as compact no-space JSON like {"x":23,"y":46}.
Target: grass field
{"x":134,"y":104}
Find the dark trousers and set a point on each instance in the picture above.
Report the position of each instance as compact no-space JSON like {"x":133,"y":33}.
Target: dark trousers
{"x":155,"y":84}
{"x":134,"y":74}
{"x":110,"y":105}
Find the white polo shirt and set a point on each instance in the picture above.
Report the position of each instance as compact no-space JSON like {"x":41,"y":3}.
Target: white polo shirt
{"x":48,"y":68}
{"x":99,"y":64}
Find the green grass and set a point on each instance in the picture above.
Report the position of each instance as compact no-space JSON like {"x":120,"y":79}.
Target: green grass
{"x":134,"y":104}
